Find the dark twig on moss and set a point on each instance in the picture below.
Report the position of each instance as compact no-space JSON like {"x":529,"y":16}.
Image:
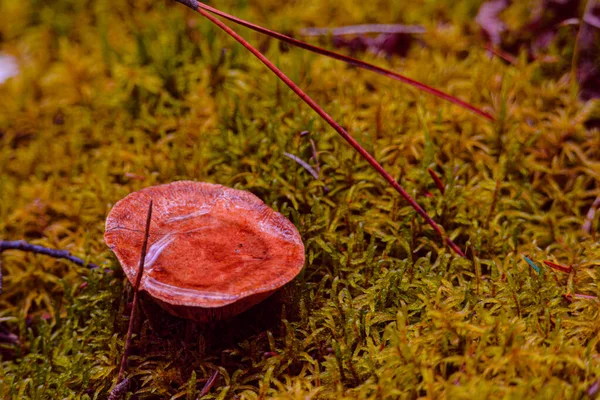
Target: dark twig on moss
{"x":34,"y":248}
{"x":136,"y":287}
{"x":338,"y":128}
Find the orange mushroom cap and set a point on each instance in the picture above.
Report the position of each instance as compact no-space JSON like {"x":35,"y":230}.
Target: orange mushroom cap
{"x":212,"y":251}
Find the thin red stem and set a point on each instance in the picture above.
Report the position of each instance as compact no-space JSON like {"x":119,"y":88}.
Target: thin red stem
{"x":436,"y":179}
{"x":509,"y":58}
{"x":136,"y":289}
{"x":365,"y":154}
{"x":347,"y":59}
{"x":558,"y":267}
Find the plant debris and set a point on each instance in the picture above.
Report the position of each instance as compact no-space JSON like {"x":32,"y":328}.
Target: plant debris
{"x":547,"y":26}
{"x":391,"y":39}
{"x":588,"y":57}
{"x":490,"y":22}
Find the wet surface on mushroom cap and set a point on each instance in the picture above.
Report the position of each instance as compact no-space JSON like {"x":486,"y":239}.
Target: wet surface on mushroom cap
{"x":209,"y":245}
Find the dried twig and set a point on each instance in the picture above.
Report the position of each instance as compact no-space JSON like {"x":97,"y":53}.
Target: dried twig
{"x":201,"y":8}
{"x":136,"y":287}
{"x":37,"y":249}
{"x":34,"y":248}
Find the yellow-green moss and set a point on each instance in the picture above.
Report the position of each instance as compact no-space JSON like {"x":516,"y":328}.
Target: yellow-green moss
{"x":115,"y":96}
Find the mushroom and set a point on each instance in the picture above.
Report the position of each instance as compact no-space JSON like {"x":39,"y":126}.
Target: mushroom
{"x":213,"y":252}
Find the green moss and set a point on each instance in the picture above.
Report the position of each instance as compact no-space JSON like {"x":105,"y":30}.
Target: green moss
{"x":113,"y":97}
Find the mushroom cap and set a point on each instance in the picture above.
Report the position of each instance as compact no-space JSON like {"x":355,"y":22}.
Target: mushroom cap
{"x":209,"y":245}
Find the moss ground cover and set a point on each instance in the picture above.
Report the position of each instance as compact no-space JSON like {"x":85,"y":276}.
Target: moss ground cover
{"x":115,"y":96}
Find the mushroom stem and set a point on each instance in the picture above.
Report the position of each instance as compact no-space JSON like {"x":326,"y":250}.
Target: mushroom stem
{"x":308,"y":100}
{"x":135,"y":296}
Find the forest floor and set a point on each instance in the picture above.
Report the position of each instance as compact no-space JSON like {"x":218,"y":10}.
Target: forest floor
{"x":112,"y":97}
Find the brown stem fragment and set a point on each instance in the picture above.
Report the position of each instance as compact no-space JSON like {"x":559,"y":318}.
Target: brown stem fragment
{"x":132,"y":316}
{"x":337,"y":127}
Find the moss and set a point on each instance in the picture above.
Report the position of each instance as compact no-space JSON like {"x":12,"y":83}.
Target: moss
{"x":115,"y":97}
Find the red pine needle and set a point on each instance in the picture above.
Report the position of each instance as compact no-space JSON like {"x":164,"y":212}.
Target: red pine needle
{"x":558,"y":267}
{"x":136,"y":288}
{"x":365,"y":154}
{"x":344,"y":58}
{"x":509,"y":58}
{"x":437,"y":180}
